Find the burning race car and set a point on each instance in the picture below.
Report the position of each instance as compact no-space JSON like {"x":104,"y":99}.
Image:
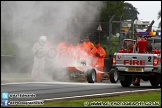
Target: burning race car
{"x":80,"y":72}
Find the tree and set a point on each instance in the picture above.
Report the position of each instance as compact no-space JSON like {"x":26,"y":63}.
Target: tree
{"x":106,"y":10}
{"x":130,"y":11}
{"x":159,"y":16}
{"x":110,"y":8}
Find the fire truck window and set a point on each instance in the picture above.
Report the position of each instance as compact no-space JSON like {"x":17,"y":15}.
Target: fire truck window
{"x":157,"y":40}
{"x":157,"y":44}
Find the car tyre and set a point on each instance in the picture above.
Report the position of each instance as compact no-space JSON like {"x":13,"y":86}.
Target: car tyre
{"x":91,"y":75}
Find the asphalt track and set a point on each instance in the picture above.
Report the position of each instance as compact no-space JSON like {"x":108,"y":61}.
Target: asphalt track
{"x":56,"y":90}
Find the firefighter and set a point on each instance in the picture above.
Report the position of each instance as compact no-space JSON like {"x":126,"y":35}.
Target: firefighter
{"x":98,"y":57}
{"x":105,"y":51}
{"x":136,"y":81}
{"x":80,"y":50}
{"x":81,"y":53}
{"x":88,"y":46}
{"x":65,"y":52}
{"x":149,"y":47}
{"x":80,"y":45}
{"x":40,"y":51}
{"x":130,"y":47}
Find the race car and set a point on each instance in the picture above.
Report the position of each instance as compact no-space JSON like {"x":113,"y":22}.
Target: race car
{"x":81,"y":72}
{"x":63,"y":70}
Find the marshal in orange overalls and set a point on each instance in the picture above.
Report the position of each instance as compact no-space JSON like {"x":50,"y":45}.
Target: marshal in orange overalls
{"x":65,"y":53}
{"x":98,"y":58}
{"x":88,"y":46}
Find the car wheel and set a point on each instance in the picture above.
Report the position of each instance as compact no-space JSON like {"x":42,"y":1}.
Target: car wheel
{"x":113,"y":76}
{"x":153,"y":81}
{"x":127,"y":81}
{"x":91,"y":75}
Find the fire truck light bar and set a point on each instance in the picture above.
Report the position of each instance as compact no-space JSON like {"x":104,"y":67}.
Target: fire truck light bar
{"x":158,"y":33}
{"x":143,"y":33}
{"x":150,"y":33}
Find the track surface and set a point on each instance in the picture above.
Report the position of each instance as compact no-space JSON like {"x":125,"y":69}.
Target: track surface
{"x":48,"y":90}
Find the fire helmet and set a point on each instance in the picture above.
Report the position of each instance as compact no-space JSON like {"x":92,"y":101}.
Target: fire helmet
{"x":42,"y":40}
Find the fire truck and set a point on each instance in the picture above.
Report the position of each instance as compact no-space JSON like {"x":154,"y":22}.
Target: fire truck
{"x":138,"y":58}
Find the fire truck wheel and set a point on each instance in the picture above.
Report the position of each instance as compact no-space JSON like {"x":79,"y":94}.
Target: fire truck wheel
{"x":153,"y":81}
{"x":91,"y":75}
{"x":127,"y":81}
{"x":113,"y":76}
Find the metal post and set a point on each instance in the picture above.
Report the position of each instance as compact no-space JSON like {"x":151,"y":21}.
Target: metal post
{"x":99,"y":31}
{"x":133,"y":19}
{"x":110,"y":33}
{"x":120,"y":28}
{"x":150,"y":26}
{"x":99,"y":35}
{"x":93,"y":35}
{"x":133,"y":29}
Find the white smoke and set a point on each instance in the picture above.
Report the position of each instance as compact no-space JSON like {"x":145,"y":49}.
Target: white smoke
{"x":23,"y":22}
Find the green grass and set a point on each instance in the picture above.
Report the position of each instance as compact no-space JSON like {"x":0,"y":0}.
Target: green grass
{"x":145,"y":97}
{"x":8,"y":49}
{"x":15,"y":75}
{"x":8,"y":77}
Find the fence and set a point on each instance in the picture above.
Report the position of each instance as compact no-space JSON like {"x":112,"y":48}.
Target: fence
{"x":99,"y":31}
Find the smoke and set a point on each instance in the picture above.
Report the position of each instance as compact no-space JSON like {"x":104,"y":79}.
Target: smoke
{"x":23,"y":22}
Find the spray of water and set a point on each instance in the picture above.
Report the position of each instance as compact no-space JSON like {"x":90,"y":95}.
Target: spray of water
{"x":23,"y":22}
